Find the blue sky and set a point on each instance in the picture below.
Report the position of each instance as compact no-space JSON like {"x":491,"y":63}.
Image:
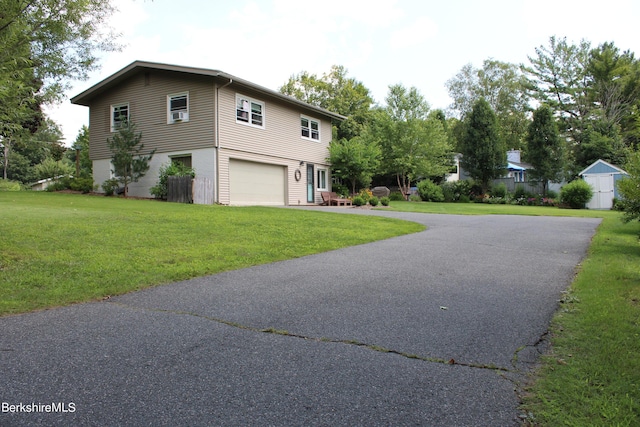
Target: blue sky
{"x":414,"y":43}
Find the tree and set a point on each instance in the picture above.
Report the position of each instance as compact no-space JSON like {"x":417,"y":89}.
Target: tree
{"x":30,"y":147}
{"x":355,"y":160}
{"x":484,"y":156}
{"x":51,"y":168}
{"x":129,"y":165}
{"x":56,"y":41}
{"x":545,"y":150}
{"x":414,"y":145}
{"x":594,"y":92}
{"x":79,"y":153}
{"x":503,"y":86}
{"x":44,"y":44}
{"x":558,"y":78}
{"x":629,"y":188}
{"x":335,"y":92}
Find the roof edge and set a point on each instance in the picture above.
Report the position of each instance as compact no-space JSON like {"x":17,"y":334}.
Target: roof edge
{"x":604,"y":162}
{"x":83,"y":97}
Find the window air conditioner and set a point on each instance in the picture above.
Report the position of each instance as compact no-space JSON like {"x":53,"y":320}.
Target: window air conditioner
{"x":178,"y":116}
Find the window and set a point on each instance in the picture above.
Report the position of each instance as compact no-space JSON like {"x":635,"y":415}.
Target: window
{"x":310,"y":128}
{"x":184,"y":160}
{"x":322,"y":180}
{"x":178,"y":108}
{"x":119,"y":116}
{"x":249,"y":111}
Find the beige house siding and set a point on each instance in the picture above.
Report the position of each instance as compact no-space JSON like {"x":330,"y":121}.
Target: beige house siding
{"x":279,"y":142}
{"x":212,"y":136}
{"x":146,"y":94}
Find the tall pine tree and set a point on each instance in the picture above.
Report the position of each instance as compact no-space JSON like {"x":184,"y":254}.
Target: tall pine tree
{"x":129,"y":165}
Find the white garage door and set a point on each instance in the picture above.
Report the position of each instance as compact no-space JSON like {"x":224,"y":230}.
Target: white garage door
{"x":256,"y":183}
{"x":602,"y":185}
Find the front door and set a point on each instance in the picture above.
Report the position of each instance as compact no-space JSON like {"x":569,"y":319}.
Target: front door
{"x":310,"y":192}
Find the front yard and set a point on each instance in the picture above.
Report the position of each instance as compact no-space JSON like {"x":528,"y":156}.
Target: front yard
{"x":60,"y":249}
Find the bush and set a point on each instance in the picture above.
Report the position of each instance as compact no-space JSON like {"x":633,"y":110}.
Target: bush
{"x":385,"y":201}
{"x":456,"y":191}
{"x":56,"y":186}
{"x":576,"y":194}
{"x":552,"y":194}
{"x":519,"y":192}
{"x":110,"y":186}
{"x":430,"y":191}
{"x":341,"y":190}
{"x":6,"y":185}
{"x":396,"y":196}
{"x":373,"y":201}
{"x":358,"y":201}
{"x":499,"y":190}
{"x":414,"y":198}
{"x":159,"y":190}
{"x":81,"y":184}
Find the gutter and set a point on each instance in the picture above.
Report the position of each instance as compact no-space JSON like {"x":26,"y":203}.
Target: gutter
{"x":216,"y":196}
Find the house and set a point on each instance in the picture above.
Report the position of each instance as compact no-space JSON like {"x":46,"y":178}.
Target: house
{"x":516,"y":169}
{"x":602,"y":177}
{"x":253,"y":145}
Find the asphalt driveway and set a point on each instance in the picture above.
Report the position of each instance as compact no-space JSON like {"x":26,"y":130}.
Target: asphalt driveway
{"x":435,"y":328}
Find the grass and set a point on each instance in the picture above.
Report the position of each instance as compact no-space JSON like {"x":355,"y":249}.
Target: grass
{"x":495,"y":209}
{"x":59,"y":249}
{"x":591,"y":377}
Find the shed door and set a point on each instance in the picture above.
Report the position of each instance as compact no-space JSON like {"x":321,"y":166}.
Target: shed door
{"x":256,"y":183}
{"x":602,"y":185}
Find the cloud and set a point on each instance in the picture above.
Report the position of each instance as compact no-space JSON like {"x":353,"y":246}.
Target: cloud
{"x":420,"y":31}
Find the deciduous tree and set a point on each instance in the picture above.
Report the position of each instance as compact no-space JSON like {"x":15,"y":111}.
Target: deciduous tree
{"x":545,"y":150}
{"x":503,"y":86}
{"x":335,"y":92}
{"x":484,"y":156}
{"x":629,"y":188}
{"x":414,"y":145}
{"x":355,"y":160}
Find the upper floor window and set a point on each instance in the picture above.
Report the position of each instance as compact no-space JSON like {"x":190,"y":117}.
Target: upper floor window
{"x":119,"y":116}
{"x":310,"y":128}
{"x":249,"y":111}
{"x":178,"y":108}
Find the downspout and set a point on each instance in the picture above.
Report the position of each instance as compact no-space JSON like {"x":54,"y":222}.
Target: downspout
{"x":217,"y":141}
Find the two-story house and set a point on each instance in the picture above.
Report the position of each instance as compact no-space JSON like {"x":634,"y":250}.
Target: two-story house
{"x":255,"y":145}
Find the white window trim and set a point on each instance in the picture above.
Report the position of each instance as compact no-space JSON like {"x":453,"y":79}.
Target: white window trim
{"x":112,"y":108}
{"x":250,"y":100}
{"x":326,"y":179}
{"x":311,"y":119}
{"x":170,"y":119}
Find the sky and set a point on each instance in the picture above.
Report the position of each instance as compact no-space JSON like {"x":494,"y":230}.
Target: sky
{"x":418,"y":44}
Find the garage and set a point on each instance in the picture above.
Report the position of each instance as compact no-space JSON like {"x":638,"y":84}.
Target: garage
{"x":602,"y":178}
{"x":253,"y":183}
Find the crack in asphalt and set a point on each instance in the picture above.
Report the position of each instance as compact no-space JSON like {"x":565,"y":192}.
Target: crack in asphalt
{"x":353,"y":342}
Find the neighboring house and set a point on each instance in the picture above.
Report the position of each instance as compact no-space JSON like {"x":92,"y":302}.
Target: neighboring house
{"x":255,"y":145}
{"x":516,"y":169}
{"x":602,"y":177}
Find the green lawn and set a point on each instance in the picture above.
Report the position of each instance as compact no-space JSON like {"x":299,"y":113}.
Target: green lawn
{"x":59,"y":249}
{"x":591,"y":377}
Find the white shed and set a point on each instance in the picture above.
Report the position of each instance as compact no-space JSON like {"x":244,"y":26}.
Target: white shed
{"x":602,"y":177}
